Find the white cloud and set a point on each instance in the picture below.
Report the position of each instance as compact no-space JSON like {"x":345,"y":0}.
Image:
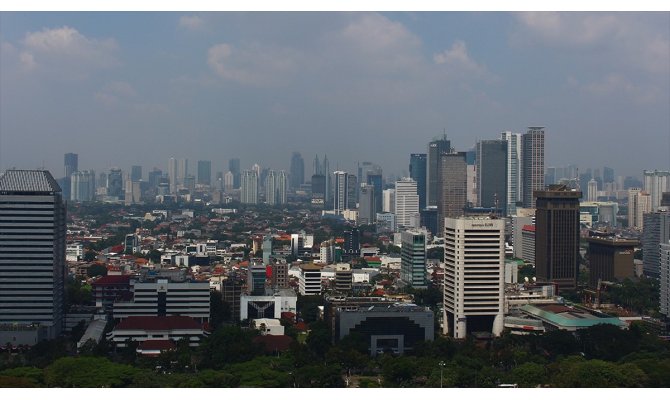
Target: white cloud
{"x":253,"y":64}
{"x":27,"y":61}
{"x":192,"y":22}
{"x":457,"y":57}
{"x":115,"y":92}
{"x":619,"y":86}
{"x":67,"y":47}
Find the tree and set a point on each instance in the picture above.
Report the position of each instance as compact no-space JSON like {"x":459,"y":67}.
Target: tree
{"x":228,"y":344}
{"x":575,"y":372}
{"x":528,"y":375}
{"x":88,"y":372}
{"x":154,"y":256}
{"x":97,"y":270}
{"x":90,"y":256}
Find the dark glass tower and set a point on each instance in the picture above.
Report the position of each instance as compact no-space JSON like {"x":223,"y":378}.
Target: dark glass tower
{"x":492,"y":174}
{"x":297,"y":171}
{"x":417,"y":171}
{"x":435,"y":148}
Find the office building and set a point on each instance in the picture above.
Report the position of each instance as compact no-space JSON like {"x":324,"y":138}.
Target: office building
{"x":204,"y":172}
{"x":474,"y":258}
{"x":249,"y":187}
{"x":177,"y":172}
{"x":231,"y":292}
{"x":297,"y":171}
{"x":374,"y":178}
{"x":639,"y":203}
{"x":610,"y":259}
{"x":82,"y":185}
{"x":32,"y":257}
{"x":388,"y":201}
{"x":136,"y":173}
{"x":413,"y":258}
{"x":492,"y":174}
{"x":406,"y":203}
{"x":592,"y":190}
{"x":655,"y":183}
{"x":664,"y":274}
{"x":256,"y":275}
{"x":513,"y":170}
{"x":352,"y":188}
{"x":228,"y":182}
{"x":557,"y":236}
{"x":435,"y":149}
{"x":281,"y":181}
{"x":367,"y":209}
{"x":527,"y":249}
{"x":271,"y":188}
{"x":418,"y":164}
{"x":655,"y":232}
{"x":114,"y":183}
{"x":453,"y":187}
{"x":318,"y":183}
{"x":341,"y":199}
{"x":234,"y":168}
{"x":532,"y":175}
{"x":71,"y":166}
{"x":429,"y":220}
{"x":310,"y":280}
{"x":155,"y":176}
{"x":352,"y":242}
{"x":279,"y":276}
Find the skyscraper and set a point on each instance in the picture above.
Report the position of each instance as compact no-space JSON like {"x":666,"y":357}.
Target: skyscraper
{"x":513,"y":170}
{"x":271,"y":188}
{"x":32,"y":256}
{"x":114,"y":182}
{"x":435,"y":148}
{"x":655,"y":183}
{"x":656,"y":231}
{"x":341,"y":200}
{"x":367,"y":209}
{"x":492,"y":174}
{"x":417,"y":171}
{"x":453,"y":187}
{"x":374,"y":178}
{"x":352,"y":188}
{"x":82,"y":186}
{"x":413,"y":258}
{"x":249,"y":188}
{"x":474,"y":261}
{"x":136,"y":173}
{"x":71,"y":166}
{"x":406,"y":204}
{"x":204,"y":172}
{"x":177,"y":172}
{"x":234,"y":167}
{"x":297,"y":172}
{"x":664,"y":261}
{"x":592,"y":190}
{"x":281,"y":182}
{"x":557,"y":235}
{"x":532,"y":164}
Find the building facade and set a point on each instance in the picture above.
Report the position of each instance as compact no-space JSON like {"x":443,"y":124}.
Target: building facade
{"x":418,"y":164}
{"x":435,"y":150}
{"x":413,"y":258}
{"x":492,"y":174}
{"x":513,"y":170}
{"x":453,"y":187}
{"x":656,"y":231}
{"x":532,"y":164}
{"x":406,"y":204}
{"x":249,"y":187}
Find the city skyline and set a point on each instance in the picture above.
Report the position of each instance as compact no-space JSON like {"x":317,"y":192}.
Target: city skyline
{"x":120,"y":88}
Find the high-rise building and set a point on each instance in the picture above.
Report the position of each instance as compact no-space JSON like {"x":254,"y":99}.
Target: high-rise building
{"x":32,"y":257}
{"x":417,"y":171}
{"x":177,"y":172}
{"x":282,"y":187}
{"x":474,"y":261}
{"x":352,"y":242}
{"x":228,"y":181}
{"x":639,"y":203}
{"x":234,"y":167}
{"x":655,"y":183}
{"x":374,"y":178}
{"x":608,"y":175}
{"x":341,"y":200}
{"x":367,"y":209}
{"x":655,"y":232}
{"x":204,"y":172}
{"x":388,"y":200}
{"x":297,"y":171}
{"x":492,"y":174}
{"x":318,"y":183}
{"x":406,"y":204}
{"x":610,"y":259}
{"x":592,"y":190}
{"x":114,"y":182}
{"x":435,"y":149}
{"x":532,"y":164}
{"x":413,"y":258}
{"x":249,"y":188}
{"x":329,"y":184}
{"x":71,"y":166}
{"x":557,"y":235}
{"x":453,"y":187}
{"x":664,"y":261}
{"x":155,"y":177}
{"x":271,"y":188}
{"x":82,"y":186}
{"x":513,"y":170}
{"x":136,"y":173}
{"x":352,"y":187}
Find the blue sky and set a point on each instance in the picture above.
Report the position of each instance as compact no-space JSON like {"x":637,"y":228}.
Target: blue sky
{"x":137,"y":88}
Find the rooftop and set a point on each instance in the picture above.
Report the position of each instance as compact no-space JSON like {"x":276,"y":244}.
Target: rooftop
{"x":569,"y":317}
{"x":153,"y":323}
{"x":16,"y":180}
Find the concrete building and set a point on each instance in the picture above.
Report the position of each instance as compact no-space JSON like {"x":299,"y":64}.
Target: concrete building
{"x":474,"y":258}
{"x":656,"y":231}
{"x":610,"y":259}
{"x":297,"y":171}
{"x":249,"y":187}
{"x":557,"y":236}
{"x":406,"y":203}
{"x":310,"y":280}
{"x":453,"y":187}
{"x":82,"y":184}
{"x":513,"y":170}
{"x":32,"y":257}
{"x":279,"y":276}
{"x":256,"y":277}
{"x":157,"y":329}
{"x":343,"y":277}
{"x":418,"y":164}
{"x":388,"y":201}
{"x":655,"y":183}
{"x":367,"y":209}
{"x":528,"y":243}
{"x":341,"y":194}
{"x":664,"y":275}
{"x":435,"y":150}
{"x":518,"y":222}
{"x":532,"y":165}
{"x":253,"y":307}
{"x":413,"y":255}
{"x":271,"y":188}
{"x":492,"y":174}
{"x":639,"y":203}
{"x":204,"y":172}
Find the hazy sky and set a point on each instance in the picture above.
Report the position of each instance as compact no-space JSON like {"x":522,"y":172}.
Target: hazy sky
{"x":137,"y":88}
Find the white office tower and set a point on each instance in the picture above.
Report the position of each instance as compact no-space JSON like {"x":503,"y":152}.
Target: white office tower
{"x":32,"y":257}
{"x":228,"y":181}
{"x":82,"y":186}
{"x":639,"y":203}
{"x":271,"y":188}
{"x":592,"y":190}
{"x":474,"y":258}
{"x":249,"y":187}
{"x":388,"y":201}
{"x":655,"y":183}
{"x":665,"y":278}
{"x":282,"y":187}
{"x":341,"y":198}
{"x":406,"y":203}
{"x":513,"y":170}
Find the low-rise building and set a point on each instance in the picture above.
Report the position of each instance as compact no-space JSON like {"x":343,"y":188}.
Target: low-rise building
{"x":153,"y":328}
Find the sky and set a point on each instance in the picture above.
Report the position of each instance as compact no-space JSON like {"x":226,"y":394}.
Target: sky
{"x":136,"y":88}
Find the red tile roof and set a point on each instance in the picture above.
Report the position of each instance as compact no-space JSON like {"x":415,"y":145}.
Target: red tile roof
{"x":153,"y":323}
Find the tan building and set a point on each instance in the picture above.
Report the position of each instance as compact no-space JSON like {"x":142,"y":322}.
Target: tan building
{"x":610,"y":259}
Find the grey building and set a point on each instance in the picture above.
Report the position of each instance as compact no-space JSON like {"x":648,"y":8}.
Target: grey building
{"x":32,"y":257}
{"x":656,"y":231}
{"x":532,"y":165}
{"x":367,"y":209}
{"x":435,"y":150}
{"x":297,"y":171}
{"x":413,"y":258}
{"x":114,"y":183}
{"x":492,"y":174}
{"x":417,"y":171}
{"x":453,"y":187}
{"x":204,"y":172}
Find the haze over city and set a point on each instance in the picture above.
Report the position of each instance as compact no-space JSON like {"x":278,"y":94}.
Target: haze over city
{"x":123,"y":89}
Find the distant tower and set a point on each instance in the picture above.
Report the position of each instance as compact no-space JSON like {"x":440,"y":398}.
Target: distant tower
{"x":204,"y":172}
{"x":417,"y":171}
{"x":492,"y":174}
{"x":136,"y":173}
{"x":557,"y":235}
{"x":282,"y":187}
{"x":513,"y":170}
{"x":341,"y":200}
{"x":32,"y":257}
{"x":71,"y":166}
{"x":474,"y":284}
{"x":655,"y":183}
{"x":114,"y":182}
{"x":435,"y":148}
{"x":234,"y":167}
{"x":406,"y":204}
{"x":532,"y":164}
{"x":271,"y":188}
{"x":367,"y":209}
{"x":297,"y":172}
{"x":249,"y":188}
{"x":413,"y":258}
{"x":592,"y":191}
{"x":453,"y":187}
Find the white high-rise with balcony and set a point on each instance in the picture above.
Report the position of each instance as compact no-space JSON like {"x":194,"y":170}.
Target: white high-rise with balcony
{"x":406,"y":203}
